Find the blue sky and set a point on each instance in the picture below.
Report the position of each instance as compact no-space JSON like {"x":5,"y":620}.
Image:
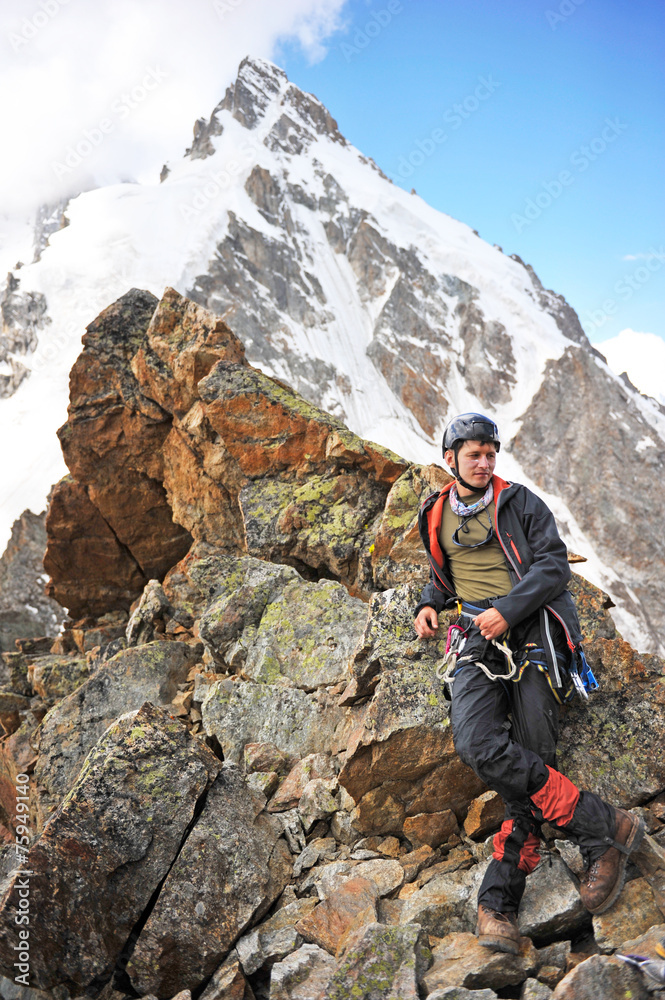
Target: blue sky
{"x":555,"y":150}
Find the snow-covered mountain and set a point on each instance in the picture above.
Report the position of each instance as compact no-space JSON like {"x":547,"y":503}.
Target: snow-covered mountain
{"x":642,"y":357}
{"x":369,"y":302}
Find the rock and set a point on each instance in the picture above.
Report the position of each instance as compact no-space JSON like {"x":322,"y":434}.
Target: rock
{"x":648,"y":944}
{"x":292,"y":826}
{"x":460,"y":993}
{"x":265,"y":757}
{"x":650,"y":859}
{"x":54,"y":677}
{"x":601,"y":976}
{"x":90,"y":570}
{"x":315,"y":765}
{"x":386,"y":875}
{"x":241,"y":590}
{"x":306,"y":635}
{"x":460,"y":961}
{"x":484,"y":816}
{"x":316,"y":801}
{"x":440,"y":907}
{"x":112,"y":443}
{"x":551,"y":906}
{"x":550,"y":975}
{"x":324,"y":523}
{"x":332,"y":876}
{"x":634,"y":912}
{"x":415,"y":861}
{"x":24,"y":608}
{"x":122,"y":684}
{"x":113,"y":838}
{"x":228,"y":982}
{"x":613,"y":745}
{"x":556,"y":954}
{"x":458,"y":860}
{"x":534,"y":990}
{"x":244,"y":712}
{"x":231,"y":869}
{"x":153,"y":605}
{"x":274,"y":938}
{"x":400,"y":760}
{"x":263,"y":782}
{"x":351,"y":906}
{"x":432,"y":829}
{"x":342,"y":828}
{"x":397,"y":556}
{"x":381,"y":962}
{"x":303,"y":975}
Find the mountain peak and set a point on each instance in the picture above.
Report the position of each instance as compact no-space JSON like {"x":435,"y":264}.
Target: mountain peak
{"x":260,"y":86}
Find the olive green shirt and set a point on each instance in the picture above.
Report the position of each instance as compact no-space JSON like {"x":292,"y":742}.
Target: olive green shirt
{"x":477,"y":573}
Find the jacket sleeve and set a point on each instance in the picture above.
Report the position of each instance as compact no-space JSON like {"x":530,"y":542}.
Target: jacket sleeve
{"x":547,"y":571}
{"x":432,"y":597}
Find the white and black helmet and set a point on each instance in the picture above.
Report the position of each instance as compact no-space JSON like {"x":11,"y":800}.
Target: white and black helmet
{"x":470,"y":427}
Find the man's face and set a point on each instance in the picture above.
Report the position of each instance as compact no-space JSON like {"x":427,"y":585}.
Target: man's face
{"x":475,"y":462}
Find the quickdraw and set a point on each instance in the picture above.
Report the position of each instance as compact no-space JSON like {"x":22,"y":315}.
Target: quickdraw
{"x":454,"y":645}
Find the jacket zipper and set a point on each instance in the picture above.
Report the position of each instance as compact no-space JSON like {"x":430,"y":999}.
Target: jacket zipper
{"x":569,"y":640}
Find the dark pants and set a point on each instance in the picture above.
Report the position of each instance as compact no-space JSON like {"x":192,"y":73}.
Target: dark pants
{"x":517,"y":759}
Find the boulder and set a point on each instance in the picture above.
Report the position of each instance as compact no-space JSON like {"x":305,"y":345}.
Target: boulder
{"x":602,"y":976}
{"x":551,"y":906}
{"x":351,"y":906}
{"x":54,"y":677}
{"x":440,"y":907}
{"x":381,"y":962}
{"x":458,"y":960}
{"x":122,"y":684}
{"x":114,"y":838}
{"x":232,"y":867}
{"x":228,"y":982}
{"x":634,"y":912}
{"x":303,"y":975}
{"x":484,"y":816}
{"x":275,"y":938}
{"x":316,"y":801}
{"x":432,"y":828}
{"x":311,"y":767}
{"x":243,"y":712}
{"x":305,"y":636}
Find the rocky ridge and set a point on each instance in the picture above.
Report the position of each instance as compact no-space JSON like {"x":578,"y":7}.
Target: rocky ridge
{"x":240,"y":775}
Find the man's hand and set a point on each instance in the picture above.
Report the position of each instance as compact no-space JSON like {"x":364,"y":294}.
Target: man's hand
{"x":426,"y":623}
{"x":491,"y":623}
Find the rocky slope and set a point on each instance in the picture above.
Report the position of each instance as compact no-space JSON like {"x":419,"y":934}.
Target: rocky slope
{"x":372,"y":305}
{"x":240,"y":782}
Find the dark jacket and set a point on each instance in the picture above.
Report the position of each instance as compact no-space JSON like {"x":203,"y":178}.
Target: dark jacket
{"x":536,"y":556}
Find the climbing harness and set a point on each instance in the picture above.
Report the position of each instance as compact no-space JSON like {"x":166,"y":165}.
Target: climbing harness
{"x":456,"y":639}
{"x":580,"y":676}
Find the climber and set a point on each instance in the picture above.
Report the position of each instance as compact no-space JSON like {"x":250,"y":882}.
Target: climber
{"x":494,"y":550}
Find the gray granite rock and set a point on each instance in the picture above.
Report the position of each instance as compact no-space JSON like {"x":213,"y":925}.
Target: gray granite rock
{"x":232,"y":867}
{"x":114,"y":838}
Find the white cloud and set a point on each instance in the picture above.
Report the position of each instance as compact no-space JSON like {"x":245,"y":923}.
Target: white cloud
{"x":641,"y":356}
{"x":146,"y":69}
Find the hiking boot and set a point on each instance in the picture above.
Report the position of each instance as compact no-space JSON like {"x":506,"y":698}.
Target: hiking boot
{"x":603,"y":880}
{"x":498,"y":931}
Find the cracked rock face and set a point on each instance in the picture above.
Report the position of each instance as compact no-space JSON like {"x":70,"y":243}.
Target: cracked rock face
{"x":114,"y":839}
{"x":232,"y":867}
